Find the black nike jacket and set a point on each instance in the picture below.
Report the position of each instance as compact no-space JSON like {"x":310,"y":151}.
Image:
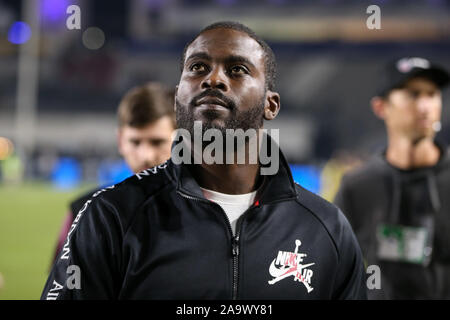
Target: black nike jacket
{"x":155,"y":236}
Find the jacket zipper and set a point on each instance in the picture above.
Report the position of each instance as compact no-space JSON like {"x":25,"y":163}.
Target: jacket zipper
{"x":234,"y":241}
{"x":236,"y":255}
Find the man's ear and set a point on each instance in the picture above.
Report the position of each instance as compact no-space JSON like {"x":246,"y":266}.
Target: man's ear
{"x":378,"y":105}
{"x":272,"y":105}
{"x":175,"y":99}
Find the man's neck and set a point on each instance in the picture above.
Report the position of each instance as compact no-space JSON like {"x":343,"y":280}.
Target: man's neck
{"x":229,"y":179}
{"x":405,"y":154}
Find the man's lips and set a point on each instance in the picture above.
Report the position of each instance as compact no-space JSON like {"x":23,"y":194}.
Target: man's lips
{"x":212,"y":101}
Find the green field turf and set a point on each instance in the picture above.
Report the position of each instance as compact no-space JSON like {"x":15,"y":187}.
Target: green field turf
{"x":30,"y":218}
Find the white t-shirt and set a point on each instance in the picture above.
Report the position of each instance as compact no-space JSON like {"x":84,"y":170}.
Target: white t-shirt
{"x":234,"y":205}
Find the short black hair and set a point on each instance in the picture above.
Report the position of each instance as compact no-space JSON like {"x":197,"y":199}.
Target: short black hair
{"x":270,"y":67}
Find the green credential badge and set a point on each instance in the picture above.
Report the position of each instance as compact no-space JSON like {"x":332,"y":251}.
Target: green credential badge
{"x":403,"y":244}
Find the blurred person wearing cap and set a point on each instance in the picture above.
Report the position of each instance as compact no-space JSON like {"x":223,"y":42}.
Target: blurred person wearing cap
{"x":397,"y":201}
{"x":146,"y":121}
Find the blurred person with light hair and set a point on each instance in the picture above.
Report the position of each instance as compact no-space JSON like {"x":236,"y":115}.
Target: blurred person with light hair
{"x":146,"y":121}
{"x":397,"y":203}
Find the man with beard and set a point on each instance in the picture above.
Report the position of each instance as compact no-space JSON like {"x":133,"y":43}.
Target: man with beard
{"x":212,"y":231}
{"x":397,"y":202}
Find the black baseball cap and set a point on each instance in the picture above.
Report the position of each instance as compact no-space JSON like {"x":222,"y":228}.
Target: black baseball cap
{"x":399,"y":71}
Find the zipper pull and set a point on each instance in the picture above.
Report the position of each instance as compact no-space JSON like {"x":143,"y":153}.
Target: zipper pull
{"x":235,"y":246}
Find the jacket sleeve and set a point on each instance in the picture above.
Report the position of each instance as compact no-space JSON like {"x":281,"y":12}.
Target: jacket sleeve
{"x":63,"y":234}
{"x":87,"y":267}
{"x":351,"y":277}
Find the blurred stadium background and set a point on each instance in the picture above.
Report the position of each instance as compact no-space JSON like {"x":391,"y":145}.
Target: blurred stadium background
{"x":59,"y":90}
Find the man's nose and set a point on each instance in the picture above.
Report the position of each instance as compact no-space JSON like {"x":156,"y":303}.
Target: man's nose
{"x":216,"y":79}
{"x":147,"y":154}
{"x":424,"y":104}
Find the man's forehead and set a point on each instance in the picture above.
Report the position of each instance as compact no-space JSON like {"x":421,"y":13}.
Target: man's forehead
{"x":223,"y":42}
{"x":421,"y":82}
{"x":155,"y":127}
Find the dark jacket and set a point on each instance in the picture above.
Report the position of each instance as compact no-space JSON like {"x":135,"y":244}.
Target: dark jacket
{"x":75,"y":207}
{"x":155,"y":236}
{"x":377,"y":195}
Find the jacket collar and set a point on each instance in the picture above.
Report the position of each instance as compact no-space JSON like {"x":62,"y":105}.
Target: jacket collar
{"x":274,"y":188}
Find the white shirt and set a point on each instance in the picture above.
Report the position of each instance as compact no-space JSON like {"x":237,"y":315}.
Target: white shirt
{"x":234,"y":205}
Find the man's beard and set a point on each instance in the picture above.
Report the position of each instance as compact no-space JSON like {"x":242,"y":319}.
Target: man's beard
{"x":252,"y":118}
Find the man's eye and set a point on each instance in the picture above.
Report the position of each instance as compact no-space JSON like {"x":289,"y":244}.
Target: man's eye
{"x":413,"y":94}
{"x":198,"y":67}
{"x":433,"y":93}
{"x":157,"y":143}
{"x":238,"y":70}
{"x":135,"y":142}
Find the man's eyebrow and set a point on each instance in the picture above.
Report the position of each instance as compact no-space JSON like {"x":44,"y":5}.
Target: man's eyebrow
{"x":241,"y":59}
{"x":229,"y":59}
{"x":199,"y":55}
{"x":157,"y":139}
